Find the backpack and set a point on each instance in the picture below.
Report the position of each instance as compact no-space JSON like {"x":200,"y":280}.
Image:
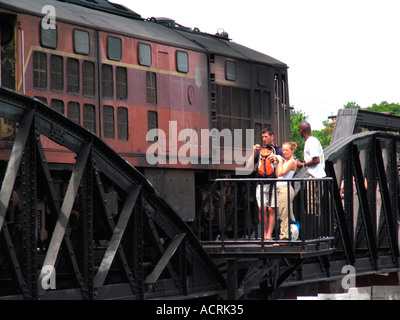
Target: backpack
{"x":265,"y":168}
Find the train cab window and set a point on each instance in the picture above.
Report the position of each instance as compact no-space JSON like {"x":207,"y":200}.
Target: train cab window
{"x":151,"y":87}
{"x":144,"y":54}
{"x":73,"y":75}
{"x":182,"y":62}
{"x":108,"y":122}
{"x":88,"y":79}
{"x":56,"y":73}
{"x":39,"y":70}
{"x":107,"y":80}
{"x":152,"y":121}
{"x":48,"y":36}
{"x":58,"y":105}
{"x":114,"y":48}
{"x":89,"y":117}
{"x":230,"y":70}
{"x":81,"y":42}
{"x":74,"y":111}
{"x":121,"y":80}
{"x":122,"y":121}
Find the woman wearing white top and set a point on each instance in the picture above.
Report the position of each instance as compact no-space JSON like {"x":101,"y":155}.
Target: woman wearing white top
{"x":285,"y":170}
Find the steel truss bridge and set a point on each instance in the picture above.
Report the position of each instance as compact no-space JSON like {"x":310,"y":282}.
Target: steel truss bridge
{"x":97,"y":229}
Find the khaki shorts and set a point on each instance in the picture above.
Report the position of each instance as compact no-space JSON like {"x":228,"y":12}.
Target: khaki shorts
{"x":269,"y":201}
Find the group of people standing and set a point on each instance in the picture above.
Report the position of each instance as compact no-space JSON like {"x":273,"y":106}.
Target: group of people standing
{"x":285,"y":167}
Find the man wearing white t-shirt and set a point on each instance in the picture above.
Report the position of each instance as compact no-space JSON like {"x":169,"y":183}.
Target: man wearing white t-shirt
{"x":314,"y":159}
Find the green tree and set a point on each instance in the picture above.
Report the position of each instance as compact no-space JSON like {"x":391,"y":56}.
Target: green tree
{"x":385,"y":107}
{"x":296,"y":118}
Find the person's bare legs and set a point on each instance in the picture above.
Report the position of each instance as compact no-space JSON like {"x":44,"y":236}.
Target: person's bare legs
{"x":271,"y":223}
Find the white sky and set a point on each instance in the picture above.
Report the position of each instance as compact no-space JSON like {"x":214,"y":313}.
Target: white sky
{"x":337,"y":51}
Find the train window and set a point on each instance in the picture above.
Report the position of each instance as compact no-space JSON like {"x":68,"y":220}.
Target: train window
{"x":152,"y":121}
{"x":267,"y":104}
{"x":73,"y":75}
{"x":182,"y":61}
{"x":122,"y":121}
{"x":107,"y":80}
{"x":151,"y":87}
{"x":121,"y":80}
{"x":42,"y":99}
{"x":257,"y":104}
{"x":74,"y":111}
{"x":39,"y":70}
{"x":230,"y":70}
{"x":81,"y":42}
{"x":108,"y":122}
{"x":58,"y":105}
{"x":88,"y":79}
{"x":114,"y":48}
{"x":48,"y":37}
{"x":89,"y":117}
{"x":144,"y":54}
{"x":56,"y":73}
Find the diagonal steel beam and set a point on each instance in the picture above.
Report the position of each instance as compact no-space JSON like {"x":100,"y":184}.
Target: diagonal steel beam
{"x":53,"y":203}
{"x":61,"y":225}
{"x":116,"y":238}
{"x":162,"y":263}
{"x":256,"y":278}
{"x":14,"y":163}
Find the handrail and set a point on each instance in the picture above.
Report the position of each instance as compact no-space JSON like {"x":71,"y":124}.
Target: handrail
{"x":233,"y":215}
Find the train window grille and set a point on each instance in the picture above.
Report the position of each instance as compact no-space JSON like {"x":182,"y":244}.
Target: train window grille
{"x":121,"y":80}
{"x":262,"y":76}
{"x":56,"y":73}
{"x":262,"y":104}
{"x":182,"y":61}
{"x":74,"y":111}
{"x":39,"y":70}
{"x":144,"y":54}
{"x":89,"y":117}
{"x":267,"y":110}
{"x":122,"y":122}
{"x":230,"y":70}
{"x":48,"y":37}
{"x":73,"y":84}
{"x":232,"y":106}
{"x":81,"y":42}
{"x":152,"y":121}
{"x":57,"y":105}
{"x":151,"y":87}
{"x":108,"y":122}
{"x":114,"y":48}
{"x":107,"y":80}
{"x":88,"y":79}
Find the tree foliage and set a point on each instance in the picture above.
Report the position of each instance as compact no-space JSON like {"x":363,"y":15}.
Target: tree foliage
{"x":325,"y":135}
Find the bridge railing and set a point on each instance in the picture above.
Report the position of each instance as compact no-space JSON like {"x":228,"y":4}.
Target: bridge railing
{"x":230,"y":211}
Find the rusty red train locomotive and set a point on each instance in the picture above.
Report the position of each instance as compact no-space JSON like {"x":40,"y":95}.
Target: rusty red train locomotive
{"x":120,"y":76}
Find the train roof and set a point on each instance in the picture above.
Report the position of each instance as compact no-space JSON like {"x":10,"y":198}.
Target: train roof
{"x":101,"y":14}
